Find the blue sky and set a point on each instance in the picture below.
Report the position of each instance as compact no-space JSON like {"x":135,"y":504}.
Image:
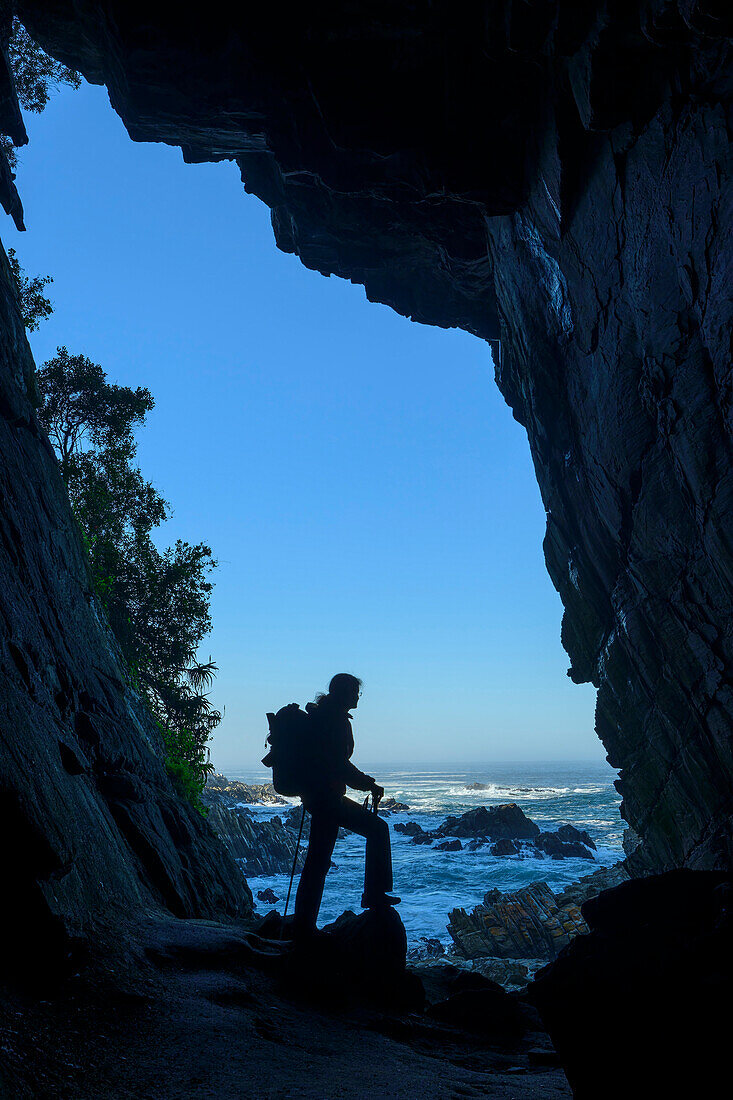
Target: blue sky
{"x":364,"y":487}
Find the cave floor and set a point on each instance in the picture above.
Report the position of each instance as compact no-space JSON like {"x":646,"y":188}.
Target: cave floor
{"x":202,"y":1032}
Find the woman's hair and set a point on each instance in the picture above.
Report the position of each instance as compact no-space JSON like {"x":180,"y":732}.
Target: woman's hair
{"x":343,"y":683}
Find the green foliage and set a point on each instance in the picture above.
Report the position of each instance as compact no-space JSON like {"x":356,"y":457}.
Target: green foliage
{"x":187,"y":764}
{"x":34,"y":305}
{"x":157,"y":601}
{"x":82,"y":409}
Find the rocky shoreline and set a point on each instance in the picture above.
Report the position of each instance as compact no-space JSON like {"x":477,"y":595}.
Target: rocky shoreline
{"x":259,"y":847}
{"x":232,"y":792}
{"x":530,"y":923}
{"x":507,"y":831}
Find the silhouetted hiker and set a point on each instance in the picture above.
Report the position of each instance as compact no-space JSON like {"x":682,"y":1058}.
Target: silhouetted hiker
{"x":323,"y":792}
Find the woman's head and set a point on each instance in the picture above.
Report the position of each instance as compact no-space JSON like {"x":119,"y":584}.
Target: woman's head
{"x":345,"y":689}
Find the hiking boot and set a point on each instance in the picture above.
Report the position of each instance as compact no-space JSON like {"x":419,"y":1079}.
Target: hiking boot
{"x":379,"y":901}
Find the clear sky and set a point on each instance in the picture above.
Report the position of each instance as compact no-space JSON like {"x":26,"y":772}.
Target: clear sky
{"x":364,"y":487}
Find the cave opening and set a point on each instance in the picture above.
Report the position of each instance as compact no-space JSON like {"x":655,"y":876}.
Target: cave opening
{"x":329,"y":450}
{"x":597,"y":251}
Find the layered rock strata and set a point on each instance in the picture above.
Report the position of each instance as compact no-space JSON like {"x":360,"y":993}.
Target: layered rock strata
{"x":530,"y":923}
{"x":261,"y":847}
{"x":554,"y":178}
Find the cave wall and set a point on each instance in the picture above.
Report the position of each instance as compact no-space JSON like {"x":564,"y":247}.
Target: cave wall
{"x":95,"y":838}
{"x":554,"y":177}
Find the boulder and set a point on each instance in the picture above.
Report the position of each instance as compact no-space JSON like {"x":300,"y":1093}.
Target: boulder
{"x":557,"y":847}
{"x":504,"y":847}
{"x":268,"y":896}
{"x":570,"y":835}
{"x":409,"y":828}
{"x":392,"y":806}
{"x":358,"y":958}
{"x":495,"y":822}
{"x":651,"y":982}
{"x":449,"y":846}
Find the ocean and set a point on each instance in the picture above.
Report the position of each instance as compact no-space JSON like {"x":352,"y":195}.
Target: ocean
{"x":431,"y":883}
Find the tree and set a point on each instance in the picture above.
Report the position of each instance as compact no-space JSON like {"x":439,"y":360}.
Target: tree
{"x":36,"y":76}
{"x":157,"y":602}
{"x":34,"y":305}
{"x":81,"y":408}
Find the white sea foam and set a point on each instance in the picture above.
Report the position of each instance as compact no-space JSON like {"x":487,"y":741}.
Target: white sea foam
{"x":431,"y":883}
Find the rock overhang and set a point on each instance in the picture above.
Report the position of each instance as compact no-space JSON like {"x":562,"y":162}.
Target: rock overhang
{"x":529,"y":172}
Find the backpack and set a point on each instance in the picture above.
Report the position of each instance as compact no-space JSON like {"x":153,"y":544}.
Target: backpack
{"x":290,"y":755}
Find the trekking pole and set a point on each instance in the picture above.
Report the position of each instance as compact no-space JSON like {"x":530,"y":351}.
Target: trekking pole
{"x":292,"y":875}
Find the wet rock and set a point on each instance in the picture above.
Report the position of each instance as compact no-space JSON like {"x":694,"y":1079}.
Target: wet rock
{"x":589,"y":886}
{"x":512,"y":974}
{"x":530,"y":923}
{"x":429,"y":948}
{"x":495,"y":822}
{"x":449,"y":846}
{"x":268,"y":896}
{"x":527,"y":923}
{"x":570,"y":835}
{"x":232,"y":792}
{"x":476,"y":786}
{"x":504,"y":847}
{"x":422,"y":838}
{"x":565,"y":843}
{"x":392,"y":806}
{"x":262,"y":847}
{"x":409,"y":828}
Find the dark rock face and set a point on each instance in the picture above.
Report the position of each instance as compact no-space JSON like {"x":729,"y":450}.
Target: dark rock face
{"x":498,"y":176}
{"x":94,"y":831}
{"x":262,"y":847}
{"x":652,"y":976}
